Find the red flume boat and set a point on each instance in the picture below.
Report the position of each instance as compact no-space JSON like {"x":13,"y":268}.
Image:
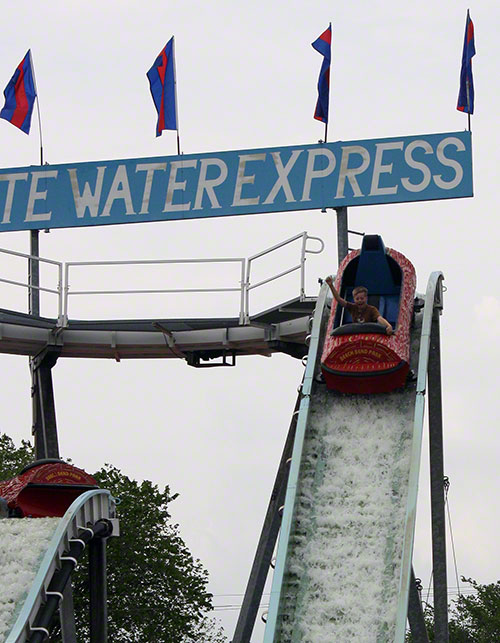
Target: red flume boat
{"x":362,"y":358}
{"x":45,"y":488}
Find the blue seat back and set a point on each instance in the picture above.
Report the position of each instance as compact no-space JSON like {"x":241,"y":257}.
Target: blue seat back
{"x":374,"y":272}
{"x":373,"y":268}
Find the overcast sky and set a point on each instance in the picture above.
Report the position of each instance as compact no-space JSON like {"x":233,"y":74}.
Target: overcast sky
{"x":247,"y":78}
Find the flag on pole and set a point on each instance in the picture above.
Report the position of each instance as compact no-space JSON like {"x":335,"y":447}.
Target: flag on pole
{"x":162,"y":83}
{"x":323,"y":45}
{"x":20,"y":95}
{"x":466,"y":94}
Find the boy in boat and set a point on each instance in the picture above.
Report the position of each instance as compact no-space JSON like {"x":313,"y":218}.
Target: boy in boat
{"x":361,"y":311}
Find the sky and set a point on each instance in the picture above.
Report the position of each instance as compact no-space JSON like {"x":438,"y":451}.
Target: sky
{"x":247,"y":78}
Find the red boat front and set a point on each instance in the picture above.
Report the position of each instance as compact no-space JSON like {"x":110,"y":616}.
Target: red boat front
{"x":45,"y":488}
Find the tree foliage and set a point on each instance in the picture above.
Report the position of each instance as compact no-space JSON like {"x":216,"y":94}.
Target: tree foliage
{"x":473,"y":618}
{"x":479,"y":613}
{"x":156,"y":590}
{"x":12,"y":458}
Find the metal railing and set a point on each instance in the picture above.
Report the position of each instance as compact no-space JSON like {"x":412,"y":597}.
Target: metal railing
{"x":30,"y":287}
{"x":300,"y":266}
{"x":70,"y":264}
{"x":64,"y":291}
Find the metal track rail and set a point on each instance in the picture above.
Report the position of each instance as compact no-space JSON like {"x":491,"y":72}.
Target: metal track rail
{"x":293,"y":476}
{"x":433,"y":299}
{"x":85,"y":511}
{"x":409,"y":450}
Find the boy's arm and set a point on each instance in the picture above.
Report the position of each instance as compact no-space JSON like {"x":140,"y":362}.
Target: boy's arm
{"x":335,"y":294}
{"x":384,"y":322}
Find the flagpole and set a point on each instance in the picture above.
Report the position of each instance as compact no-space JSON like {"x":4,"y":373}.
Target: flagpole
{"x":176,"y":102}
{"x":467,"y":85}
{"x":37,"y":108}
{"x":466,"y":69}
{"x":328,"y":114}
{"x":34,"y":264}
{"x":39,"y":128}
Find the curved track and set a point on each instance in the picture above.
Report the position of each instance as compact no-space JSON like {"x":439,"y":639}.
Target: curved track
{"x":22,"y":610}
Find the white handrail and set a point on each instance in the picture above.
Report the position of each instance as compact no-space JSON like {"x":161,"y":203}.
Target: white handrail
{"x":143,"y":291}
{"x":30,"y":287}
{"x":63,"y":291}
{"x":301,"y":266}
{"x":281,"y":274}
{"x":26,"y":256}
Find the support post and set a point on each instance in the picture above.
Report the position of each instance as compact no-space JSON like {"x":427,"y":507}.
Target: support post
{"x":34,"y":309}
{"x":67,"y":614}
{"x":342,"y":233}
{"x":267,"y":541}
{"x":98,"y":591}
{"x":436,"y":454}
{"x":34,"y":275}
{"x":44,"y":411}
{"x":415,"y":613}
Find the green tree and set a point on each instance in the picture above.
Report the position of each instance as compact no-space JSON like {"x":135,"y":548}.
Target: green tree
{"x":12,"y":458}
{"x":478,"y":614}
{"x":157,"y":592}
{"x":473,"y":618}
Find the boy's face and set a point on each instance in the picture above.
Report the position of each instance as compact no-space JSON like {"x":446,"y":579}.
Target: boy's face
{"x":360,"y":299}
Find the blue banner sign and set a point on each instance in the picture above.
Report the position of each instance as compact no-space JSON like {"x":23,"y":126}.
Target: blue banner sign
{"x":278,"y":179}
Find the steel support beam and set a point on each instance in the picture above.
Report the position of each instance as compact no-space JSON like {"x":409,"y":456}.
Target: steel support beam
{"x":342,"y":233}
{"x":34,"y":309}
{"x":415,"y":613}
{"x":67,"y":615}
{"x":34,"y":275}
{"x":267,"y":542}
{"x":436,"y":454}
{"x":98,"y":591}
{"x":44,"y":411}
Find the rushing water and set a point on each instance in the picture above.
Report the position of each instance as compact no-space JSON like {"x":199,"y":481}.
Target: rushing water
{"x":344,"y":557}
{"x":23,"y":542}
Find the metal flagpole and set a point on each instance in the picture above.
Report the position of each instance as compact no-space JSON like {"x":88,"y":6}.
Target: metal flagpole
{"x":467,"y":83}
{"x":34,"y":264}
{"x":176,"y":102}
{"x":38,"y":109}
{"x":329,"y":69}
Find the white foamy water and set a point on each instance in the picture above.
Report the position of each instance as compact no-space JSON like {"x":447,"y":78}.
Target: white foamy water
{"x":342,"y":578}
{"x":23,"y":543}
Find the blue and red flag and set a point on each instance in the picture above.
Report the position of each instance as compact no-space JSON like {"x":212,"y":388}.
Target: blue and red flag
{"x":323,"y":45}
{"x":20,"y":96}
{"x":162,"y":83}
{"x":466,"y":94}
